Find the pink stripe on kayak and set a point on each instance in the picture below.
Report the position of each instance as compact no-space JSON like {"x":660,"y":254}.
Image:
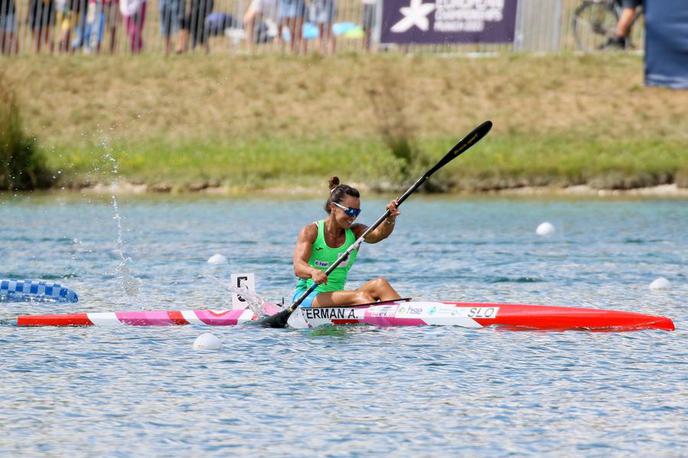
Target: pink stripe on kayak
{"x":223,"y":318}
{"x":157,"y":318}
{"x":373,"y":317}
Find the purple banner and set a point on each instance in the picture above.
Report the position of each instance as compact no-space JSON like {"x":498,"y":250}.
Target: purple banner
{"x":448,"y":21}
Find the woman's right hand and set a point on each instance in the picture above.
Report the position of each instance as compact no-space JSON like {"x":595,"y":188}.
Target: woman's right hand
{"x":318,"y":277}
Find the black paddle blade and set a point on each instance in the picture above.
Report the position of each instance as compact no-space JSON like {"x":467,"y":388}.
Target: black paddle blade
{"x":466,"y":142}
{"x":278,"y":320}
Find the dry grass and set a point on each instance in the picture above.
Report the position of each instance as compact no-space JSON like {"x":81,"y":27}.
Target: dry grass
{"x":71,"y":100}
{"x":78,"y":102}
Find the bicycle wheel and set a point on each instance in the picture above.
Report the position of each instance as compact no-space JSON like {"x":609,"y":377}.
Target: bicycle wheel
{"x":594,"y":22}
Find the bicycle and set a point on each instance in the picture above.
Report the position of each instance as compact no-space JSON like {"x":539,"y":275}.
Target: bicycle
{"x":594,"y":23}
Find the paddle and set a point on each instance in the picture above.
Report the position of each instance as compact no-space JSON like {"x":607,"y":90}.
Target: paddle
{"x":279,"y":320}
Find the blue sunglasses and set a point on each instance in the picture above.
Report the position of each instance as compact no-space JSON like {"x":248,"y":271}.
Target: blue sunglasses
{"x":349,"y":211}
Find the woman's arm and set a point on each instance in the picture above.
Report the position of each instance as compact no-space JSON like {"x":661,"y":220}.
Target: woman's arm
{"x":302,"y":253}
{"x":385,"y":229}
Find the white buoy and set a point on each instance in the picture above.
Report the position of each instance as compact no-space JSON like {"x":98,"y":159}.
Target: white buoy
{"x":545,"y":229}
{"x":660,"y":283}
{"x":207,"y":341}
{"x":217,"y":259}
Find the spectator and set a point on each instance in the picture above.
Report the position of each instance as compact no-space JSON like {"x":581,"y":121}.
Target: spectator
{"x":9,"y":43}
{"x":134,"y":14}
{"x":171,"y":12}
{"x":623,"y":26}
{"x":80,"y":11}
{"x":103,"y":18}
{"x":94,"y":26}
{"x":194,"y":24}
{"x":291,"y":13}
{"x":111,"y":12}
{"x":321,"y":13}
{"x":369,"y":20}
{"x":66,"y":20}
{"x":41,"y":19}
{"x":257,"y":11}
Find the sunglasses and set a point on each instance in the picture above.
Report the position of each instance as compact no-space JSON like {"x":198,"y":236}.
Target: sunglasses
{"x":349,"y":211}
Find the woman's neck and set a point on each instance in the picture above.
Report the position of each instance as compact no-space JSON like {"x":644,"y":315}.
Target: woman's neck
{"x":332,"y":228}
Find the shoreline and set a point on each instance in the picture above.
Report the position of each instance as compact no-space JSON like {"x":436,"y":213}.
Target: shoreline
{"x":214,"y":189}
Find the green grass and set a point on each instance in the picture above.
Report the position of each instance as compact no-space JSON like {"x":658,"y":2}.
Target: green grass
{"x":500,"y":161}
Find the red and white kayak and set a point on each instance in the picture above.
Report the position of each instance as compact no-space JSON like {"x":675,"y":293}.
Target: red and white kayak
{"x":399,"y":313}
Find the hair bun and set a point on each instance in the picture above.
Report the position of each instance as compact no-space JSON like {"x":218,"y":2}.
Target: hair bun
{"x":334,"y":182}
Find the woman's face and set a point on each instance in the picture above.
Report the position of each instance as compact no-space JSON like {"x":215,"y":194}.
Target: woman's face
{"x":344,"y":220}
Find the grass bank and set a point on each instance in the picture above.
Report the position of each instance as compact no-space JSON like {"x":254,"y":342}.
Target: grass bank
{"x":265,"y":121}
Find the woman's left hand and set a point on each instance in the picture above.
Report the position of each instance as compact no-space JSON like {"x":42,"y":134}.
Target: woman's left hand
{"x":393,"y":210}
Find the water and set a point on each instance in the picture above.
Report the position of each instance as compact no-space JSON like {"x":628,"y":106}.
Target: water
{"x":355,"y":391}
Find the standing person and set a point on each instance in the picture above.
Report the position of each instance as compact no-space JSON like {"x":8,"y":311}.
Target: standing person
{"x":95,"y":22}
{"x":291,"y":13}
{"x":134,"y":14}
{"x":171,"y":12}
{"x":194,"y":25}
{"x":369,"y":20}
{"x":102,"y":18}
{"x":322,"y":13}
{"x":9,"y":44}
{"x":41,"y":20}
{"x":257,"y":11}
{"x":111,"y":12}
{"x":623,"y":26}
{"x":320,"y":243}
{"x":80,"y":10}
{"x":66,"y":20}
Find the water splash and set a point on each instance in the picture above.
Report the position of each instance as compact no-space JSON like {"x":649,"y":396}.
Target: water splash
{"x":129,"y":283}
{"x":252,"y":300}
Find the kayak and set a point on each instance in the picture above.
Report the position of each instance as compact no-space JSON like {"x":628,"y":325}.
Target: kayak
{"x":393,"y":313}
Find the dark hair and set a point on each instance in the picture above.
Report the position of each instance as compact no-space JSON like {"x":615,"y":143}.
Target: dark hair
{"x":338,"y":191}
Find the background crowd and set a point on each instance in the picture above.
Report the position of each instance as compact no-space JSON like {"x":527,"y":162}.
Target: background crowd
{"x":90,"y":26}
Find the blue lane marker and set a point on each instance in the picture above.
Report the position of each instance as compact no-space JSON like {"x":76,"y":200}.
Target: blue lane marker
{"x":34,"y":291}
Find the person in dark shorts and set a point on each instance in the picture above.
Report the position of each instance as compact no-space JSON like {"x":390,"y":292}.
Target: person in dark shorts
{"x":193,"y":24}
{"x":170,"y":18}
{"x":41,"y":20}
{"x":623,"y":26}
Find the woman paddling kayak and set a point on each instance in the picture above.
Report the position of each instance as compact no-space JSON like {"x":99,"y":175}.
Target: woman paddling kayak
{"x":320,"y":243}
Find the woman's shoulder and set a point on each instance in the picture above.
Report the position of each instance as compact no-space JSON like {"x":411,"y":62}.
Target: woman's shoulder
{"x":310,"y":231}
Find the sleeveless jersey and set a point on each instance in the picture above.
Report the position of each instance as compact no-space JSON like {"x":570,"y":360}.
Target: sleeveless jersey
{"x":323,"y":256}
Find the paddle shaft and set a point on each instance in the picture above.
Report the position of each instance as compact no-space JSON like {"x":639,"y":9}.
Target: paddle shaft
{"x":280,"y":320}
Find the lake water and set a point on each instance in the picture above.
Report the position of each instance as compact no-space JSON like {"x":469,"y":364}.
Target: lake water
{"x":355,"y":391}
